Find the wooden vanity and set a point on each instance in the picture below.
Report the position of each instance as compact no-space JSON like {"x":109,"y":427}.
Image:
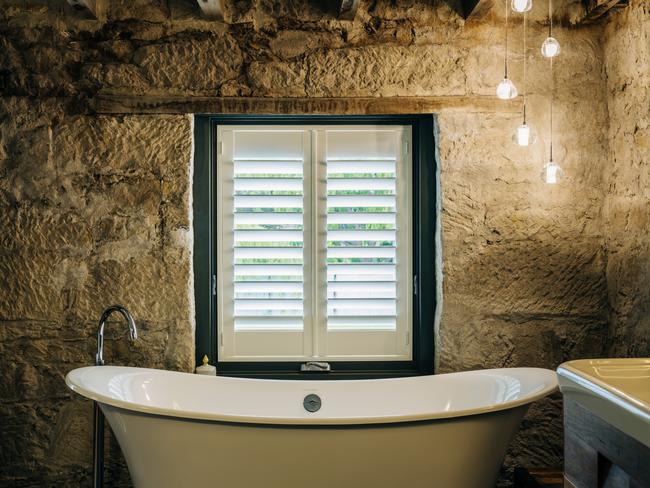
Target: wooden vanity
{"x":606,"y":423}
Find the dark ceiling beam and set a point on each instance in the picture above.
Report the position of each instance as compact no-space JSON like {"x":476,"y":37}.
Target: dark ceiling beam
{"x":95,"y":8}
{"x":213,"y":9}
{"x":475,"y":9}
{"x":348,"y":9}
{"x":596,"y":9}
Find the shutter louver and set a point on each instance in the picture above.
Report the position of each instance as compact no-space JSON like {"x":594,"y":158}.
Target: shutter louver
{"x":361,"y":232}
{"x":268,"y":234}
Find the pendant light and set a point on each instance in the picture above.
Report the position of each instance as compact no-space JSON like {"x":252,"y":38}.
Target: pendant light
{"x":550,"y":46}
{"x":552,"y":172}
{"x":521,"y":6}
{"x":506,"y":90}
{"x":524,"y":135}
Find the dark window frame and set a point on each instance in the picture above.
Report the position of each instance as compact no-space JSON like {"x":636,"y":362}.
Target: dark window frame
{"x":424,"y":220}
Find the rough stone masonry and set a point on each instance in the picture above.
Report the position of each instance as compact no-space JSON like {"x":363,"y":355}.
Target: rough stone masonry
{"x":95,"y":208}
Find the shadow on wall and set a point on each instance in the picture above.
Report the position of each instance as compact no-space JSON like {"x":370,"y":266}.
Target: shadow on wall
{"x":523,"y":303}
{"x":628,"y":269}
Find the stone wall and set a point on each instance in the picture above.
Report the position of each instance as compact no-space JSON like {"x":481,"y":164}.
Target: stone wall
{"x":94,"y":212}
{"x":627,"y":174}
{"x":95,"y":207}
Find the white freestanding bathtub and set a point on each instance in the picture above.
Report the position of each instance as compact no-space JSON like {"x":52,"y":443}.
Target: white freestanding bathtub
{"x":185,"y":430}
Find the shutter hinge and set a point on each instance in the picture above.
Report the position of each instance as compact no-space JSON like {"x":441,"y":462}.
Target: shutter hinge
{"x":406,"y":147}
{"x":408,"y":338}
{"x":221,"y":339}
{"x":214,"y":285}
{"x":415,"y":284}
{"x":221,"y":147}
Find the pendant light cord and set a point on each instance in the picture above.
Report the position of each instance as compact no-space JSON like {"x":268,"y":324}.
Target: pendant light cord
{"x":506,"y":55}
{"x":550,"y":34}
{"x":525,"y":62}
{"x":551,"y":110}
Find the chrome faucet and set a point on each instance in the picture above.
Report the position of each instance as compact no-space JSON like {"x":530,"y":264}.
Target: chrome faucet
{"x":133,"y":331}
{"x":98,"y":417}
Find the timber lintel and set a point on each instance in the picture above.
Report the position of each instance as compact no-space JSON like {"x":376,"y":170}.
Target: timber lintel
{"x":118,"y":103}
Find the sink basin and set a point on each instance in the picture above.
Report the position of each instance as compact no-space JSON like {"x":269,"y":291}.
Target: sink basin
{"x":616,"y":390}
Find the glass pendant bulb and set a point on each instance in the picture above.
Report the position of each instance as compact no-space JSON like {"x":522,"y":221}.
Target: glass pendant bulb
{"x":524,"y":135}
{"x":550,"y":47}
{"x":522,"y":6}
{"x":552,"y":173}
{"x":506,"y":90}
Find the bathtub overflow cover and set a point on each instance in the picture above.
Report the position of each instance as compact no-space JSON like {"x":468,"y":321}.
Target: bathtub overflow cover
{"x":312,"y":403}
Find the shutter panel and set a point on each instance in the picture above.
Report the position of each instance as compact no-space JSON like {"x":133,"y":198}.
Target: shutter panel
{"x":262,"y":177}
{"x":367,"y":256}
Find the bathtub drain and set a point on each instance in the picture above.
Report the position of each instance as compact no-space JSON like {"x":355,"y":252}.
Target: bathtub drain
{"x":312,"y":403}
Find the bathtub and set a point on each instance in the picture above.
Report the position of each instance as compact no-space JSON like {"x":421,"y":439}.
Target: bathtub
{"x":185,"y":430}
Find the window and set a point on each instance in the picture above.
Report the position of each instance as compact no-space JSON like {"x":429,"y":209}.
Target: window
{"x":309,"y":240}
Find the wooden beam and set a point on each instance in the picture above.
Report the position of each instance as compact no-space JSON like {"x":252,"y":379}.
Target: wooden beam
{"x":348,"y":9}
{"x":596,"y":9}
{"x":118,"y":103}
{"x":96,"y":8}
{"x":468,"y":7}
{"x":476,"y":9}
{"x":212,"y":9}
{"x":538,"y":478}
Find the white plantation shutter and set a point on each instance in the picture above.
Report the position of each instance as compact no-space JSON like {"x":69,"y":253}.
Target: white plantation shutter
{"x":261,"y":234}
{"x":313,"y":243}
{"x":368,"y":241}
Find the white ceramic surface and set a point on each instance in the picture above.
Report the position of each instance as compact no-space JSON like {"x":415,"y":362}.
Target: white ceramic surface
{"x":617,"y":390}
{"x":442,"y":431}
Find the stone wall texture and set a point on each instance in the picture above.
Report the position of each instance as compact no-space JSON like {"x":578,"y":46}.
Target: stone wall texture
{"x":627,"y":174}
{"x":94,"y":209}
{"x":94,"y":212}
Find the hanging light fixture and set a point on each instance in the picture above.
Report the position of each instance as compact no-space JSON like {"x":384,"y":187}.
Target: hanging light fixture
{"x":550,"y":46}
{"x":506,"y":90}
{"x":552,"y":172}
{"x":521,"y":6}
{"x":524,"y":135}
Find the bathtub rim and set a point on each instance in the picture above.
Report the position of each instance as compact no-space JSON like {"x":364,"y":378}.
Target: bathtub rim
{"x":548,"y":380}
{"x":313,"y":426}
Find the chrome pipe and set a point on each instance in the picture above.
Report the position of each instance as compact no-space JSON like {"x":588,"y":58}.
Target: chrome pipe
{"x":98,"y":416}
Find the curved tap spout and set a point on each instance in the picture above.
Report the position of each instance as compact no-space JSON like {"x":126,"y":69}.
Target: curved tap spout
{"x":133,"y":331}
